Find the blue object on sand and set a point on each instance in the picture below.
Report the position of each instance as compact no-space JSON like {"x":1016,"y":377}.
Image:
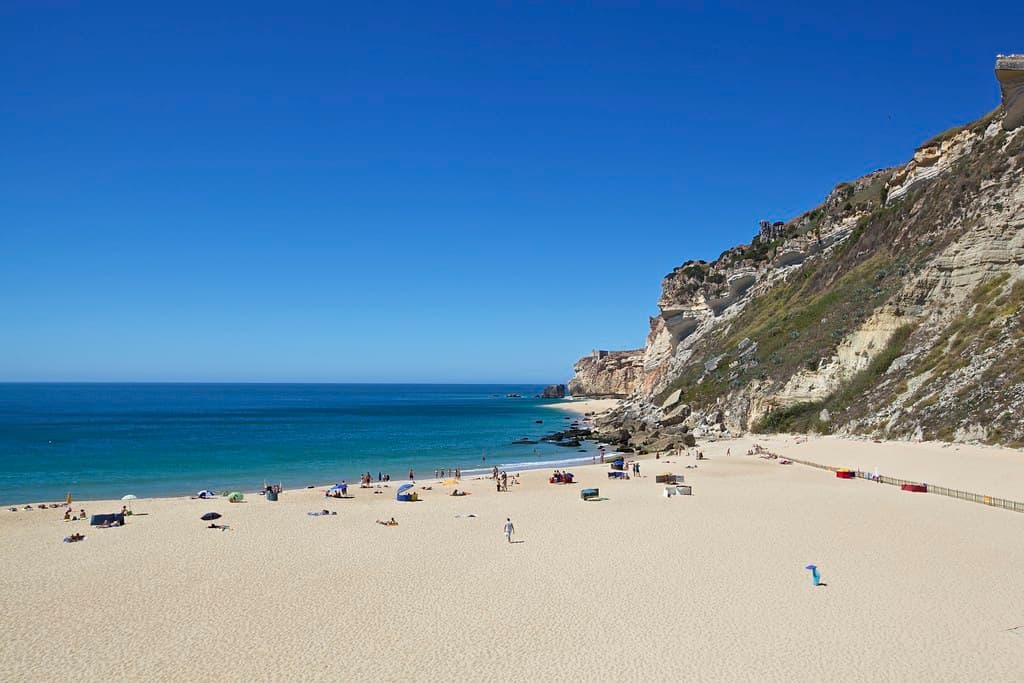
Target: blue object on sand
{"x":815,"y":576}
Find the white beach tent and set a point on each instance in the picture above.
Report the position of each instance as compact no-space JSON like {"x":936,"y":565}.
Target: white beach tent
{"x":206,"y":493}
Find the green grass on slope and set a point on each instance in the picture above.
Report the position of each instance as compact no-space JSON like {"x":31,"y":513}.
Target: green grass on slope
{"x":804,"y":417}
{"x":992,"y":322}
{"x":794,"y":327}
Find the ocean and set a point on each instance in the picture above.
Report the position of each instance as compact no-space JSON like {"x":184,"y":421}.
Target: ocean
{"x":109,"y":440}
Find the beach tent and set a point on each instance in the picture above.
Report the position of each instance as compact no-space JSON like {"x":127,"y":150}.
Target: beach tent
{"x":338,"y":487}
{"x":235,"y":497}
{"x":206,"y":493}
{"x":402,"y":495}
{"x":210,"y":516}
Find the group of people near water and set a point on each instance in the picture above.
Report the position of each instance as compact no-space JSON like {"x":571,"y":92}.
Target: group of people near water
{"x":366,"y":479}
{"x":501,"y":479}
{"x":450,"y":472}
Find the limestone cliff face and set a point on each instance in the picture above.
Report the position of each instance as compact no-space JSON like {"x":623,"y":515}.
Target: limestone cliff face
{"x":1010,"y":72}
{"x":607,"y":373}
{"x":894,"y":308}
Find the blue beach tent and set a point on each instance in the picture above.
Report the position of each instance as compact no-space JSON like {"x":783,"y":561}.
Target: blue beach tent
{"x":402,"y":495}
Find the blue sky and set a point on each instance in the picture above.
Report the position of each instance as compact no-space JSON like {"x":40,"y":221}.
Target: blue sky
{"x":426,"y":192}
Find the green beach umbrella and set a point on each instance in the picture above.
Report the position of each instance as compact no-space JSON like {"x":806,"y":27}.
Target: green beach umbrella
{"x":235,"y":497}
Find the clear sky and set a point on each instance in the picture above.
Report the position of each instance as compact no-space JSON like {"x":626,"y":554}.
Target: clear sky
{"x":362,"y":191}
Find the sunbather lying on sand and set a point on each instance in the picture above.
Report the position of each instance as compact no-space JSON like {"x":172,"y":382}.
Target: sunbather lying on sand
{"x":222,"y":527}
{"x":457,"y":492}
{"x":390,"y":522}
{"x":74,"y":538}
{"x":322,"y":513}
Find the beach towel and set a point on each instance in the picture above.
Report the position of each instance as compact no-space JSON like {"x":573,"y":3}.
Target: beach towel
{"x":97,"y":520}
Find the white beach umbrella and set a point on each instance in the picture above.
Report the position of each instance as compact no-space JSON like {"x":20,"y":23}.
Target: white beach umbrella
{"x":129,"y":498}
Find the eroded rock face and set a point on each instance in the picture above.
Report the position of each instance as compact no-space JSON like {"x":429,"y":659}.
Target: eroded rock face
{"x":915,"y":244}
{"x":607,"y":373}
{"x":553,"y":391}
{"x":1010,"y":72}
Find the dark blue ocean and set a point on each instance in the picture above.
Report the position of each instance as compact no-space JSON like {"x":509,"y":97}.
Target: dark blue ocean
{"x":109,"y":440}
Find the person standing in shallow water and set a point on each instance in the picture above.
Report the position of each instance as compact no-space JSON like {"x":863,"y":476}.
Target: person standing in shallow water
{"x":509,"y":529}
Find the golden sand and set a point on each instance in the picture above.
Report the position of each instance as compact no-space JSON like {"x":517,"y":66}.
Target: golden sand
{"x":633,"y":587}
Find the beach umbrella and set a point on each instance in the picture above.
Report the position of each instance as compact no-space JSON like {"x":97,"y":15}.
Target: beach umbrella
{"x":129,"y":498}
{"x":210,"y":516}
{"x":235,"y":497}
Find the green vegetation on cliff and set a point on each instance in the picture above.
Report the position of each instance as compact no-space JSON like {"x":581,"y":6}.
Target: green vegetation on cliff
{"x":804,"y":417}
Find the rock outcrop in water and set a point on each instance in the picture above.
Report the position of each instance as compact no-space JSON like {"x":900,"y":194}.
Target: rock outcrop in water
{"x":895,"y":308}
{"x":553,"y":391}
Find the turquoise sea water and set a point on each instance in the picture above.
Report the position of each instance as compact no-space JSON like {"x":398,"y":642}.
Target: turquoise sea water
{"x":108,"y":440}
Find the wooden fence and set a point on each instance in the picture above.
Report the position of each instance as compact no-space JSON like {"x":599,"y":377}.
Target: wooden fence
{"x":1006,"y":504}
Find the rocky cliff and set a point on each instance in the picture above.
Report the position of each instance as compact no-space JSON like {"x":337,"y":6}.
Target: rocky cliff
{"x":607,"y":373}
{"x":1010,"y":72}
{"x":894,"y":308}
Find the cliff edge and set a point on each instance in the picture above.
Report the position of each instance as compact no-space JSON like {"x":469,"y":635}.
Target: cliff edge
{"x":895,"y":308}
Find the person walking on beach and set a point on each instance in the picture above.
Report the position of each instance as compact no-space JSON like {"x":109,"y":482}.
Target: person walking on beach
{"x":509,"y":529}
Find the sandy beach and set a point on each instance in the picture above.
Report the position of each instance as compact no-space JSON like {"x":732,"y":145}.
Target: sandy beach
{"x":582,"y":406}
{"x":633,"y":587}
